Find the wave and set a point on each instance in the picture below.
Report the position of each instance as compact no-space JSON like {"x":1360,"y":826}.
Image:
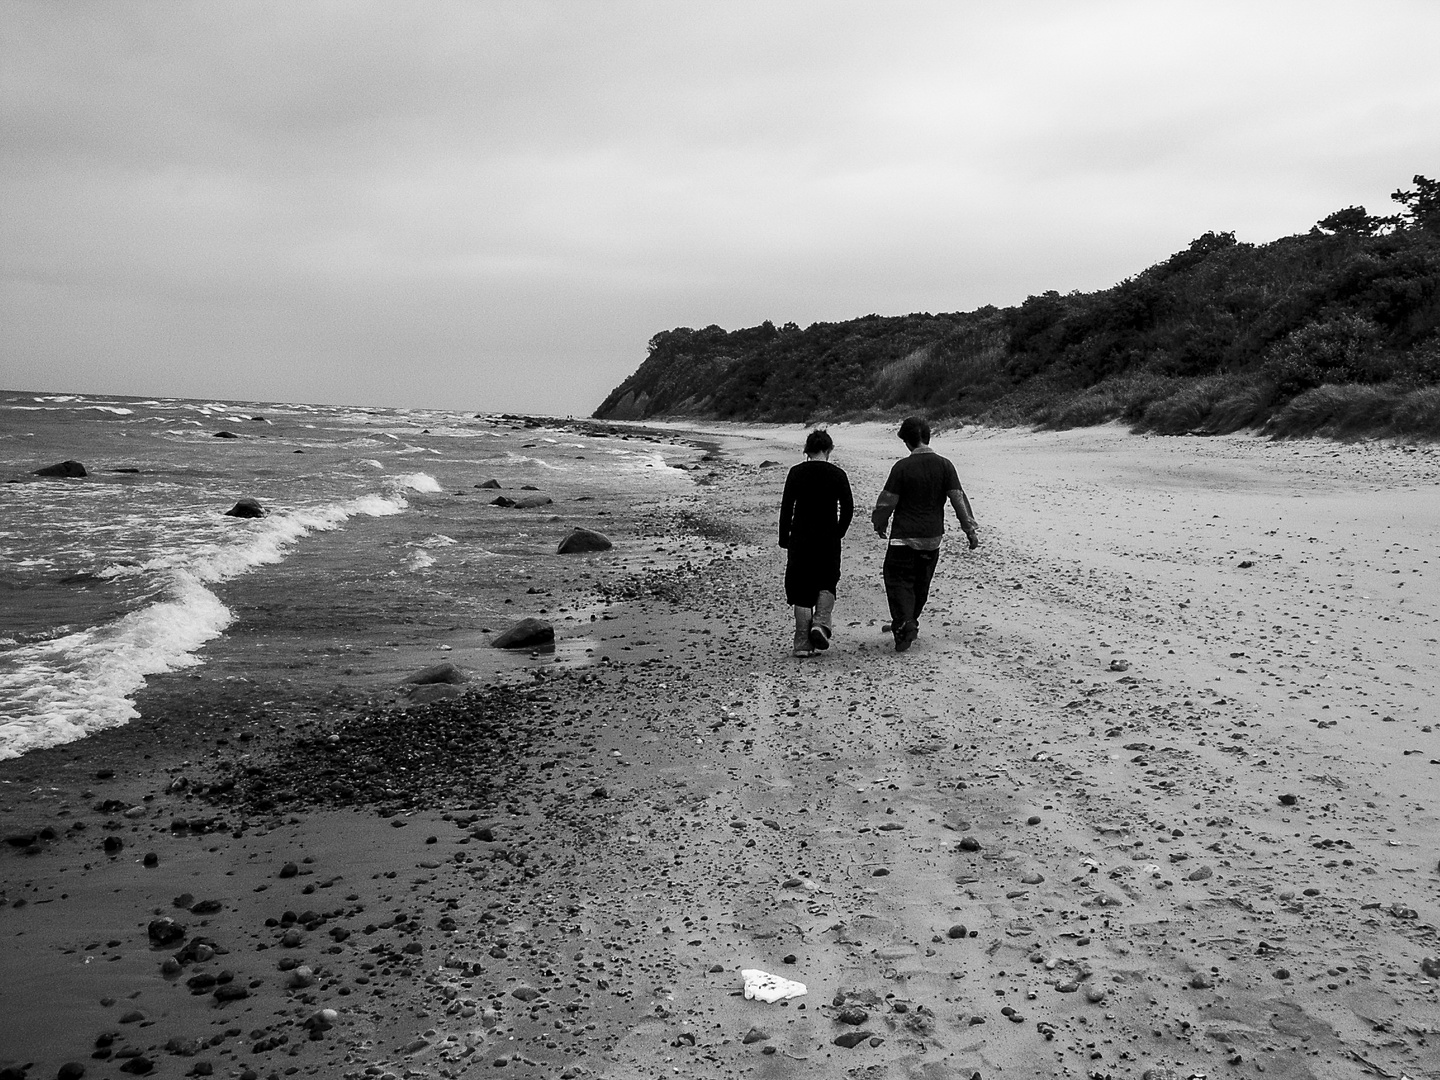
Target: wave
{"x":67,"y":687}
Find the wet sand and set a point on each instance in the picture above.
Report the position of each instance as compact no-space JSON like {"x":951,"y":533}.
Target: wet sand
{"x":1156,"y":793}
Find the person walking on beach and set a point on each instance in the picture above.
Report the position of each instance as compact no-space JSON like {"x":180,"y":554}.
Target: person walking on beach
{"x":815,"y":511}
{"x":915,"y":494}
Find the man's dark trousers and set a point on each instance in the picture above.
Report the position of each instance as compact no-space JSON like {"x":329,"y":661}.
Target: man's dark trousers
{"x":907,"y":575}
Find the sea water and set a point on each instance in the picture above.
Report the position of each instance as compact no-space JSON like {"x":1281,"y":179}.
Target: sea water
{"x":374,"y":520}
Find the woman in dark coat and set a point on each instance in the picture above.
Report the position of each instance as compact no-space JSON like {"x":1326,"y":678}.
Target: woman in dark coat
{"x":815,"y":511}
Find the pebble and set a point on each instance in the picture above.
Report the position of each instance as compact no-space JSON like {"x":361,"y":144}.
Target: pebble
{"x":1430,"y":965}
{"x":289,"y":870}
{"x":755,"y":1035}
{"x":957,"y":931}
{"x":969,"y":843}
{"x":851,"y":1039}
{"x":165,"y":931}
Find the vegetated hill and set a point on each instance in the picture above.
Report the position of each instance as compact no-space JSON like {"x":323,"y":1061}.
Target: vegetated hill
{"x":1334,"y":331}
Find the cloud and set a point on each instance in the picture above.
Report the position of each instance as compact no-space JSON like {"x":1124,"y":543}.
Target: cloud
{"x":495,"y":205}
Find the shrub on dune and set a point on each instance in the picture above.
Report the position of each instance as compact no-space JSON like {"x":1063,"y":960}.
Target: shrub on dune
{"x":1418,"y":413}
{"x":1343,"y":409}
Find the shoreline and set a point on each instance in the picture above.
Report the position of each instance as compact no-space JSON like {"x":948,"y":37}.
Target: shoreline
{"x":691,"y":801}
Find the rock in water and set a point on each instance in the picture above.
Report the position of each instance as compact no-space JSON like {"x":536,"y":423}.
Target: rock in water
{"x":491,"y":483}
{"x":529,"y":502}
{"x":580,"y":541}
{"x":438,"y":673}
{"x":246,"y":508}
{"x":64,"y":468}
{"x":526,"y":634}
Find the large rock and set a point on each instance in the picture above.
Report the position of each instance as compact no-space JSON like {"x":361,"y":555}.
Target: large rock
{"x":529,"y":502}
{"x":526,"y":634}
{"x":246,"y":508}
{"x":444,"y":672}
{"x":64,"y":468}
{"x":428,"y":692}
{"x":581,"y":541}
{"x":491,"y":483}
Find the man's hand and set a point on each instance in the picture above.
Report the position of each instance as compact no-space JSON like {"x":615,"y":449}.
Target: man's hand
{"x":974,"y":539}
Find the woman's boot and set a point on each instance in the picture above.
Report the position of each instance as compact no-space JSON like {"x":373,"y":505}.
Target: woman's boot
{"x":802,"y":631}
{"x":820,"y":629}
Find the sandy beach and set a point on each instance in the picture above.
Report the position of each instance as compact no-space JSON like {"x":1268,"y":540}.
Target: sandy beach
{"x":1155,"y":794}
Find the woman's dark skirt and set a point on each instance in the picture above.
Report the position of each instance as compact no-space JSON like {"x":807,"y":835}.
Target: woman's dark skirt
{"x":809,"y":571}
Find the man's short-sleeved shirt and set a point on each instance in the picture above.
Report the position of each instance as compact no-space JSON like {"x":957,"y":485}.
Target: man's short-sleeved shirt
{"x":921,"y":481}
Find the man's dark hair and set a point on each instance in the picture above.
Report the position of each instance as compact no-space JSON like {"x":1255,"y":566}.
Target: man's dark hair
{"x":819,"y":442}
{"x":915,"y":430}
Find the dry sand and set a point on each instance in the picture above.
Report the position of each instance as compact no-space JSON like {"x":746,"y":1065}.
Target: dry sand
{"x":1156,"y":793}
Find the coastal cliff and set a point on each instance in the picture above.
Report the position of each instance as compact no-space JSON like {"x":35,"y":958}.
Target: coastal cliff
{"x":1336,"y":330}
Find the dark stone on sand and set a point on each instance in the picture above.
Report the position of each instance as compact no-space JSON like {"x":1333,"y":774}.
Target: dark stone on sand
{"x":768,"y":464}
{"x":852,"y":1015}
{"x":1288,"y":800}
{"x":755,"y":1035}
{"x":71,"y":1070}
{"x":502,"y":500}
{"x":852,"y":1039}
{"x":957,"y":931}
{"x":246,"y":508}
{"x":151,"y":860}
{"x":22,"y":840}
{"x":529,"y":502}
{"x":165,"y":931}
{"x":444,"y":672}
{"x":289,"y":870}
{"x":969,"y":843}
{"x":113,"y":844}
{"x":225,"y":435}
{"x":580,"y":541}
{"x":124,"y":469}
{"x":425,"y":694}
{"x":230,"y":992}
{"x":139,"y":1065}
{"x":12,"y":1073}
{"x":64,"y":468}
{"x":104,"y":774}
{"x":525,"y":634}
{"x":491,"y":483}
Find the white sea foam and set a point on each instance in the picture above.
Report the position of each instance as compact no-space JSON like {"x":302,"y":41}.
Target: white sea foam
{"x":420,"y":560}
{"x":418,"y":482}
{"x":67,"y":687}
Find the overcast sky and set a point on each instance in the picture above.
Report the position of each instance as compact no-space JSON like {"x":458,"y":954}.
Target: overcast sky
{"x":493,"y":205}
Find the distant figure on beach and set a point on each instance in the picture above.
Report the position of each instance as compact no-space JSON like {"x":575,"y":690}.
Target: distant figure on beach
{"x":815,"y":511}
{"x":915,"y":494}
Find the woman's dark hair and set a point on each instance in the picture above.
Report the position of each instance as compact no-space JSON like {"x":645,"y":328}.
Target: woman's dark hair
{"x":819,"y":442}
{"x":915,"y":430}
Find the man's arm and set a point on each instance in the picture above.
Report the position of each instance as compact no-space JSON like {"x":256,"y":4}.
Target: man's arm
{"x":962,"y":512}
{"x":884,"y":506}
{"x":847,"y":506}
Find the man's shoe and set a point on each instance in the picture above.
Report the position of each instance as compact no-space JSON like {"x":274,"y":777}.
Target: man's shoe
{"x":905,"y":636}
{"x":819,"y":637}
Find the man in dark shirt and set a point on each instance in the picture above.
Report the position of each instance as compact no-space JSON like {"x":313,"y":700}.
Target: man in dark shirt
{"x":915,"y":494}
